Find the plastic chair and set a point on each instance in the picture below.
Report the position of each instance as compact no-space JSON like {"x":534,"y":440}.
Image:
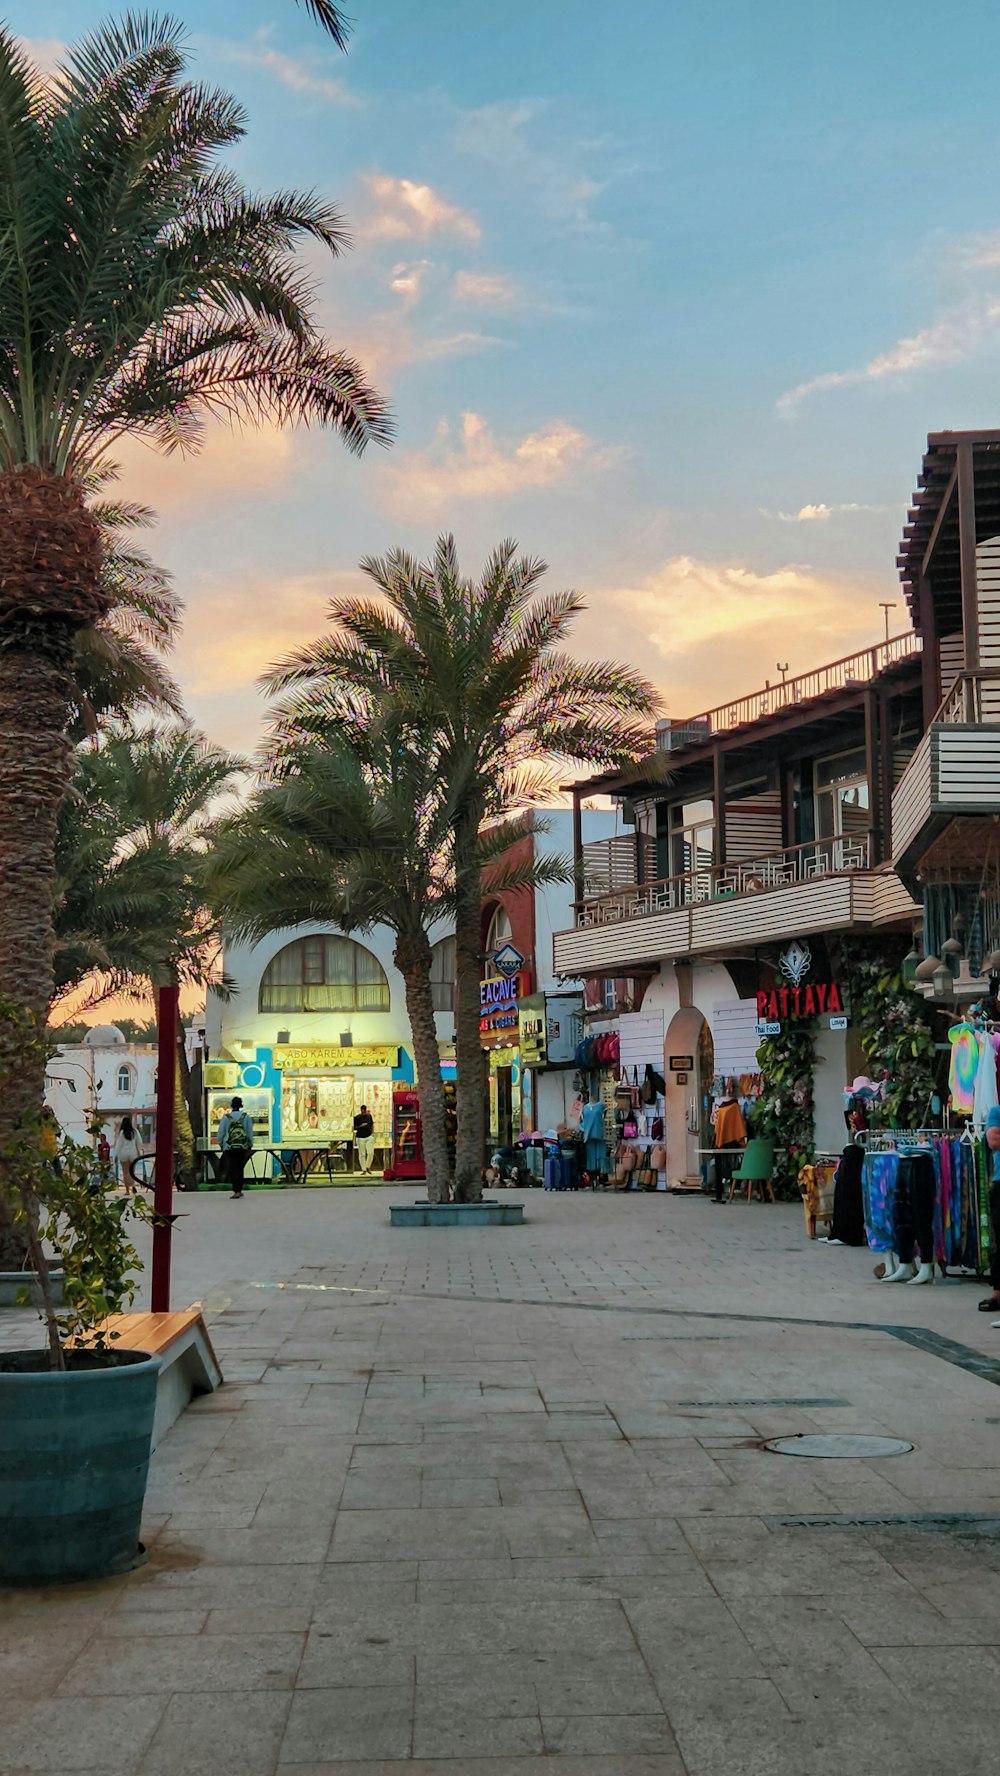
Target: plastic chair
{"x":756,"y":1167}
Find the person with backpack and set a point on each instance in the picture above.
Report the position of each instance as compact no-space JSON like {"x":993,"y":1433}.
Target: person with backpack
{"x":236,"y":1141}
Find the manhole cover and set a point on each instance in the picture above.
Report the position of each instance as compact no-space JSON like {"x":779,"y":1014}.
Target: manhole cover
{"x":838,"y":1446}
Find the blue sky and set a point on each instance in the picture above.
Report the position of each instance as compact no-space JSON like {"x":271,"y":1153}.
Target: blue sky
{"x":671,"y":293}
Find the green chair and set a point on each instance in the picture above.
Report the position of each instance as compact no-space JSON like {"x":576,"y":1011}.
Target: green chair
{"x":756,"y":1167}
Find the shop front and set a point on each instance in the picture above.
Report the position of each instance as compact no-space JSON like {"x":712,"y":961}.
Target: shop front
{"x":500,"y":998}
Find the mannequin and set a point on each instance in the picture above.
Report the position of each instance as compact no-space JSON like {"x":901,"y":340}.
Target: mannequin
{"x":914,"y":1217}
{"x":730,"y":1134}
{"x":592,"y":1129}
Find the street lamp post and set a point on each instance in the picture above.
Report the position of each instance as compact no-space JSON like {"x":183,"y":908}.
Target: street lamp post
{"x":163,"y":1181}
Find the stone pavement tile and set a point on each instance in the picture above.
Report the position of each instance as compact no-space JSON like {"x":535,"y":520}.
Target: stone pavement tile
{"x":608,"y":1733}
{"x":554,"y":1495}
{"x":805,"y":1572}
{"x":361,"y":1723}
{"x":715,"y":1698}
{"x":466,"y":1580}
{"x":366,"y":1646}
{"x":444,"y":1728}
{"x":104,"y":1733}
{"x":969,"y":1597}
{"x":829,"y":1745}
{"x":34,"y":1657}
{"x":284,"y":1546}
{"x":686,"y":1639}
{"x":233,"y":1735}
{"x":652,"y":1765}
{"x":293,"y":1620}
{"x":596,"y":1686}
{"x":879,"y":1622}
{"x":219,"y":1587}
{"x":419,"y":1535}
{"x":128,"y":1623}
{"x":437,"y":1491}
{"x":968,"y":1676}
{"x":377,"y":1580}
{"x":377,"y":1492}
{"x":150,"y":1666}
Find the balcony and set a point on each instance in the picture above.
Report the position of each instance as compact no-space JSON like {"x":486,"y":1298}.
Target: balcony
{"x":852,"y":672}
{"x":954,"y":772}
{"x":720,"y":909}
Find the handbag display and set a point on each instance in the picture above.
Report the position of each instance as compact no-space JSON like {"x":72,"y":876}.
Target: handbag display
{"x":628,"y":1159}
{"x":658,"y":1159}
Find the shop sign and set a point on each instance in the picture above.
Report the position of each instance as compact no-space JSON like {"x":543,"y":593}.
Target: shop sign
{"x":767,"y":1029}
{"x":507,"y":961}
{"x":498,"y":1006}
{"x":532,"y":1031}
{"x":680,"y":1064}
{"x":838,"y":1023}
{"x":818,"y":999}
{"x":298,"y":1058}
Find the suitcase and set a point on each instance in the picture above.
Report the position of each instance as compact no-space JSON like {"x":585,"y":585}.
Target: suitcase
{"x":553,"y":1172}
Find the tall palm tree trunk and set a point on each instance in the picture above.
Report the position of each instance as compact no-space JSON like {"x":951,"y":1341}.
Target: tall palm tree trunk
{"x":470,"y":1147}
{"x":50,"y":565}
{"x":413,"y":959}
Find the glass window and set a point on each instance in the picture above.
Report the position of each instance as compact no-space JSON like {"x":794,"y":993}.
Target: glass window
{"x":324,"y":974}
{"x":443,"y":974}
{"x":842,"y":795}
{"x":694,"y":842}
{"x":124,"y":1081}
{"x":500,"y":932}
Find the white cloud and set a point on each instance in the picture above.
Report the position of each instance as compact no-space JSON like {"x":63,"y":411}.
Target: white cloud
{"x":298,"y":76}
{"x":951,"y":339}
{"x":386,"y":342}
{"x":821,"y":513}
{"x":405,"y":210}
{"x":484,"y":289}
{"x":506,"y":137}
{"x":710,"y":630}
{"x":478,"y":467}
{"x":408,"y":279}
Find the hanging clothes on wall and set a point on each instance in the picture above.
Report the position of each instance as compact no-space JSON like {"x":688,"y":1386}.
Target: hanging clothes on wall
{"x":985,"y":1096}
{"x":878,"y":1186}
{"x":848,"y":1225}
{"x":964,"y":1067}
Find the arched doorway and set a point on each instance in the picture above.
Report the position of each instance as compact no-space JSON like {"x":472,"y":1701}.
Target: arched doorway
{"x":688,"y":1100}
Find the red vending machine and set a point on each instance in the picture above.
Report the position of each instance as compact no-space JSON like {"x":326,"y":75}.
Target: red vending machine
{"x":407,"y":1159}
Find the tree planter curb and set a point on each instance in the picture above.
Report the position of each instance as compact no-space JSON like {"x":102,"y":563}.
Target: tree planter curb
{"x":74,"y":1458}
{"x":13,"y":1283}
{"x":476,"y":1214}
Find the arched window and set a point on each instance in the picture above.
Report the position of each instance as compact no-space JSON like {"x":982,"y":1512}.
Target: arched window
{"x":500,"y":932}
{"x":324,"y":974}
{"x":124,"y":1080}
{"x":443,"y":974}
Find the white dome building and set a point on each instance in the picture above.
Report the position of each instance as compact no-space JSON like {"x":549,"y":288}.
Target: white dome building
{"x":104,"y":1036}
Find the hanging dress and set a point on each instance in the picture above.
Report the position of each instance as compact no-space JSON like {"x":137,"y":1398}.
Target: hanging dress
{"x":964,"y":1067}
{"x":985,"y":1097}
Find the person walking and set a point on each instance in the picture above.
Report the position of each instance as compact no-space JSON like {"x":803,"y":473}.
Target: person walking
{"x":364,"y":1140}
{"x":236,"y":1141}
{"x":126,"y":1150}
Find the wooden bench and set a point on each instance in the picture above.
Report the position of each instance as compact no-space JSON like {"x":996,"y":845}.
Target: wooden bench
{"x":188,"y":1364}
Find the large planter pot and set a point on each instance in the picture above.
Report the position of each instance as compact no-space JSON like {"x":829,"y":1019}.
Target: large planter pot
{"x":74,"y":1456}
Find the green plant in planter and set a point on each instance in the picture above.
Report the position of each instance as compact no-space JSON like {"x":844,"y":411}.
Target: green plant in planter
{"x":784,"y":1113}
{"x":67,"y":1200}
{"x":76,"y":1420}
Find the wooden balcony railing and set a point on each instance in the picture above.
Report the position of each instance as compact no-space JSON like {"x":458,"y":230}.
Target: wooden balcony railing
{"x":974,"y":697}
{"x":854,"y":669}
{"x":779,"y":869}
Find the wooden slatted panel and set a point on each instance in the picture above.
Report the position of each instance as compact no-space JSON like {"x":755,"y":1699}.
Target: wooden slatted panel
{"x":881,"y":900}
{"x":911,"y":802}
{"x":952,"y":651}
{"x":640,"y":1035}
{"x":988,"y":600}
{"x":735,"y":1038}
{"x":753,"y":827}
{"x":612,"y":948}
{"x":968,"y":769}
{"x":821,"y":905}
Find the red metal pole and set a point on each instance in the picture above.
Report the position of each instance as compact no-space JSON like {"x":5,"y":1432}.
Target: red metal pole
{"x":163,"y":1187}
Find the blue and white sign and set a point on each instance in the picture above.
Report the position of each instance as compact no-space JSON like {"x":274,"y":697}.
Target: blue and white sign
{"x":507,"y":961}
{"x":767,"y":1029}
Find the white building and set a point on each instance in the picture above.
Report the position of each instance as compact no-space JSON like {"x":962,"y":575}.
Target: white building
{"x":105,"y":1077}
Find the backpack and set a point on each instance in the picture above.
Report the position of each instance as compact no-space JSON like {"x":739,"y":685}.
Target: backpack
{"x":237,"y":1139}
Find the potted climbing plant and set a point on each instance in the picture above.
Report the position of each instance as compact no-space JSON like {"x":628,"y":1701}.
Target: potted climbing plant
{"x":76,"y":1414}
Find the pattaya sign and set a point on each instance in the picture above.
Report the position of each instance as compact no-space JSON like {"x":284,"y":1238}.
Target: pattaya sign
{"x":815,"y":1000}
{"x":301,"y":1059}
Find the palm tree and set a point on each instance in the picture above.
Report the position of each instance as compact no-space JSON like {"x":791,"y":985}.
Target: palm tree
{"x":119,"y":663}
{"x":130,"y":913}
{"x":351,"y":831}
{"x":481,"y":667}
{"x":332,"y":18}
{"x":142,"y":290}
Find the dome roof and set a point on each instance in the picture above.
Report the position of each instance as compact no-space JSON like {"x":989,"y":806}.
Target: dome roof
{"x":104,"y":1036}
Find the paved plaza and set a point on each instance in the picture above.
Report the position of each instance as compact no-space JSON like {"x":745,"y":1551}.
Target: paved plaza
{"x":475,"y":1499}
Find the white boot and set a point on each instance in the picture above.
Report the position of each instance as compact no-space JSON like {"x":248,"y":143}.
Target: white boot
{"x":924,"y":1275}
{"x":905,"y":1273}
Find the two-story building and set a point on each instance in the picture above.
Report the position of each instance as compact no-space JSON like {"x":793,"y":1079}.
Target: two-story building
{"x":757,"y":837}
